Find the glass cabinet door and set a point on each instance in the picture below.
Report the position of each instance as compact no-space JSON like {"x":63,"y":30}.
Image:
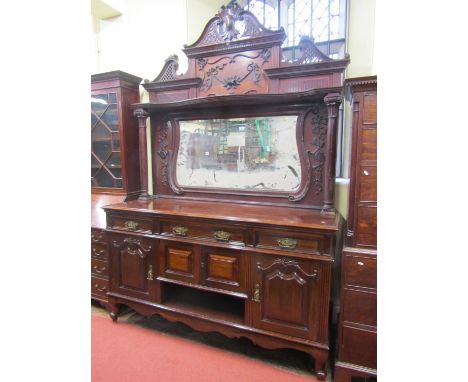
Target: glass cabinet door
{"x":106,"y":167}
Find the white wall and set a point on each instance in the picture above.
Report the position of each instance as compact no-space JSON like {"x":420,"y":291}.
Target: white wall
{"x":139,"y":40}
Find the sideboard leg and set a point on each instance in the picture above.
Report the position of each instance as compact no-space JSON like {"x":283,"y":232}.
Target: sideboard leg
{"x":113,"y":311}
{"x":320,"y":365}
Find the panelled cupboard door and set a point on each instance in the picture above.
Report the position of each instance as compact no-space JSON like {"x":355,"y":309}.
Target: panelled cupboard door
{"x":286,"y":296}
{"x":133,"y":265}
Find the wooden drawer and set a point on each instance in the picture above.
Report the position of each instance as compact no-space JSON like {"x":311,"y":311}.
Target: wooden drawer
{"x":359,"y":307}
{"x":99,"y":268}
{"x":359,"y":347}
{"x":99,"y":287}
{"x":204,"y":231}
{"x":224,"y":269}
{"x":99,"y":251}
{"x":289,"y":241}
{"x":360,"y":271}
{"x":98,"y":236}
{"x":369,"y":144}
{"x":368,"y":184}
{"x":179,"y":262}
{"x":366,"y":230}
{"x":130,"y":223}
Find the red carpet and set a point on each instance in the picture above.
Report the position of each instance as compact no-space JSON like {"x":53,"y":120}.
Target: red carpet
{"x":124,"y":352}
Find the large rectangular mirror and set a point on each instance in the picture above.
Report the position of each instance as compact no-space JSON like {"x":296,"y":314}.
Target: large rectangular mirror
{"x":258,"y":153}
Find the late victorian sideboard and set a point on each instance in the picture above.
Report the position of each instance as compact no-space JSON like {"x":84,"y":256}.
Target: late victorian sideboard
{"x":240,"y":233}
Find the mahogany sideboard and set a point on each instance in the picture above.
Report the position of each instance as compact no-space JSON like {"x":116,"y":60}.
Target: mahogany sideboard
{"x":241,"y":232}
{"x":357,"y":330}
{"x":252,"y":271}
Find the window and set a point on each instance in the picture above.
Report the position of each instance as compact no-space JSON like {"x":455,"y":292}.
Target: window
{"x":323,"y":20}
{"x":264,"y":12}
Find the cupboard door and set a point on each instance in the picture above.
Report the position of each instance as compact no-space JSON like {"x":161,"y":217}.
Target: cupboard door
{"x":132,"y":265}
{"x":286,"y":297}
{"x":223,"y":269}
{"x":179,"y":262}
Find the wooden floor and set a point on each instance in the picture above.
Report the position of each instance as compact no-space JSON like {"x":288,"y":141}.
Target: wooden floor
{"x":288,"y":359}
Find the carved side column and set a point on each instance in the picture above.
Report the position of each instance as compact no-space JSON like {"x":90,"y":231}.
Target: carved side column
{"x":142,"y":114}
{"x":333,"y":101}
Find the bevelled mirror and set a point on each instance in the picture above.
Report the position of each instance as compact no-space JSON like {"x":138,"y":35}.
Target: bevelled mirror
{"x":255,"y":154}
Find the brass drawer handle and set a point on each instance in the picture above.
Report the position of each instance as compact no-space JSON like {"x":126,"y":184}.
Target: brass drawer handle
{"x":97,"y":270}
{"x":97,"y":252}
{"x":129,"y":224}
{"x":222,"y":235}
{"x":180,"y":231}
{"x":96,"y":239}
{"x":101,"y":289}
{"x":150,"y":273}
{"x":287,"y":243}
{"x":256,"y":295}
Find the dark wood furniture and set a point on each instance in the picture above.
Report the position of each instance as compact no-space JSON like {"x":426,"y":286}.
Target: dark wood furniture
{"x":357,"y":330}
{"x":240,"y":260}
{"x":115,"y":172}
{"x":114,"y":136}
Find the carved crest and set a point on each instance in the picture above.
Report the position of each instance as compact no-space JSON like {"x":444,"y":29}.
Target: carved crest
{"x":227,"y":17}
{"x":231,"y":25}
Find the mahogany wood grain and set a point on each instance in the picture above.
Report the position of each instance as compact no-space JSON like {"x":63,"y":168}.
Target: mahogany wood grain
{"x":224,"y":269}
{"x":231,"y":213}
{"x":359,"y":307}
{"x":179,"y":262}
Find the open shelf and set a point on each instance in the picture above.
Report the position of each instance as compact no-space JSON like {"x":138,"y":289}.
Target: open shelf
{"x":203,"y":303}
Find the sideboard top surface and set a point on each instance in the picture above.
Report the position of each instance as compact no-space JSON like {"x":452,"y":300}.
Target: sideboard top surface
{"x":241,"y":213}
{"x":98,"y":216}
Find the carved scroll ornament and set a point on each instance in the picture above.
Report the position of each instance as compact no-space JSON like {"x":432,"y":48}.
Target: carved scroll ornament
{"x":212,"y":74}
{"x":232,"y":23}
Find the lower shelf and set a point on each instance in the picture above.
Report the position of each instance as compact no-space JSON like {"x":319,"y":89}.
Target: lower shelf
{"x":209,"y":304}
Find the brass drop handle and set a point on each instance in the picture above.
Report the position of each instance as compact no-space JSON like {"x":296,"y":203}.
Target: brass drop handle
{"x":99,"y":238}
{"x":97,"y":270}
{"x":287,"y":243}
{"x":222,"y":235}
{"x":97,"y":252}
{"x":150,"y":273}
{"x":179,"y":230}
{"x":102,"y":289}
{"x":256,"y":295}
{"x":130,"y":224}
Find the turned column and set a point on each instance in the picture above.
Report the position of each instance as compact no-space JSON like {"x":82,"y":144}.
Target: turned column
{"x":142,"y":114}
{"x":333,"y":101}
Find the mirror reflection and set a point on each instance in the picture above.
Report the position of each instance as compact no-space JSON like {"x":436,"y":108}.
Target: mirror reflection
{"x":258,"y":153}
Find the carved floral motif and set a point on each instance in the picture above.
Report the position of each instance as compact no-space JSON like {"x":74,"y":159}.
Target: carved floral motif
{"x":232,"y":82}
{"x":319,"y":129}
{"x":164,"y":153}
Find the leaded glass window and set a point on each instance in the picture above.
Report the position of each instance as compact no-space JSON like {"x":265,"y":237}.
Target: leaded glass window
{"x":323,"y":20}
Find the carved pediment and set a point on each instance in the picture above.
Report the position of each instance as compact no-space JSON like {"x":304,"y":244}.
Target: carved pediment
{"x":231,"y":26}
{"x":310,"y":53}
{"x":169,"y":70}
